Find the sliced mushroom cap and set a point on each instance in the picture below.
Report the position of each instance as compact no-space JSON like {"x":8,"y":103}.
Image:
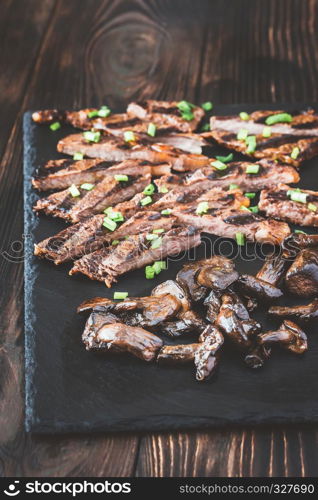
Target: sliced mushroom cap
{"x":94,"y":322}
{"x":255,"y":287}
{"x":298,"y":241}
{"x":303,"y":313}
{"x":289,"y":336}
{"x":207,"y":355}
{"x":183,"y":353}
{"x":186,"y":322}
{"x":273,"y":269}
{"x":186,"y":278}
{"x":302,"y":277}
{"x":257,"y":356}
{"x":212,"y":303}
{"x":219,"y":274}
{"x":173,"y":288}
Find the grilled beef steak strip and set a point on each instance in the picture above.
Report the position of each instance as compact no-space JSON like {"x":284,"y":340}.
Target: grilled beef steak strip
{"x":60,"y":174}
{"x":288,"y":335}
{"x":167,"y":113}
{"x":269,"y":175}
{"x":115,"y":149}
{"x":105,"y":193}
{"x":302,"y":277}
{"x":303,"y":313}
{"x":228,"y":223}
{"x":85,"y":237}
{"x":133,"y":253}
{"x":278,"y":202}
{"x":301,"y":133}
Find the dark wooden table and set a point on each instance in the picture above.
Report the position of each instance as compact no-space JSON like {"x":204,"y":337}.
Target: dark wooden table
{"x":73,"y":53}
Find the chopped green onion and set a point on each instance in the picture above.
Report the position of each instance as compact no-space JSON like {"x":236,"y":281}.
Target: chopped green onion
{"x":297,"y":196}
{"x":298,"y":231}
{"x":74,"y":191}
{"x":120,"y":295}
{"x":312,"y":207}
{"x":87,"y":186}
{"x":156,"y":243}
{"x":242,"y":134}
{"x":116,"y":216}
{"x":278,"y":118}
{"x":129,"y":136}
{"x":92,"y":114}
{"x":219,"y":165}
{"x":251,"y":144}
{"x":121,"y":177}
{"x":187,"y":116}
{"x":149,"y":272}
{"x":158,"y":266}
{"x":150,"y":189}
{"x":163,"y":189}
{"x":115,"y":242}
{"x":158,"y":231}
{"x":166,"y":211}
{"x":151,"y":129}
{"x":225,"y":159}
{"x":250,"y":195}
{"x":146,"y":201}
{"x":240,"y":239}
{"x":202,"y":208}
{"x":252,"y":169}
{"x":104,"y":111}
{"x":244,"y":116}
{"x":78,"y":156}
{"x":290,"y":191}
{"x":267,"y":132}
{"x":91,"y":136}
{"x":55,"y":126}
{"x":205,"y":127}
{"x":233,"y":186}
{"x":109,"y":224}
{"x":254,"y":209}
{"x":295,"y":152}
{"x":151,"y":237}
{"x":185,"y":106}
{"x":207,"y":106}
{"x":243,"y":207}
{"x":108,"y":210}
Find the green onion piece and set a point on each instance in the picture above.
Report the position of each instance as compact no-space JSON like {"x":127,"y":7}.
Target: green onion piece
{"x":120,"y":295}
{"x":233,"y":186}
{"x":205,"y":127}
{"x":55,"y":126}
{"x":251,"y":144}
{"x":225,"y":159}
{"x":157,"y":266}
{"x":92,"y":114}
{"x":158,"y":231}
{"x":252,"y":169}
{"x":290,"y":191}
{"x":163,"y":189}
{"x":150,"y":189}
{"x":109,"y":224}
{"x":151,"y":129}
{"x":185,"y":106}
{"x":151,"y":237}
{"x":129,"y":136}
{"x":149,"y":272}
{"x":267,"y":132}
{"x":295,"y":152}
{"x":187,"y":116}
{"x":255,"y":209}
{"x":116,"y":216}
{"x":74,"y":191}
{"x":250,"y":195}
{"x":207,"y":106}
{"x":78,"y":156}
{"x":299,"y":231}
{"x":156,"y":243}
{"x":91,"y":136}
{"x":146,"y":201}
{"x":121,"y":177}
{"x":219,"y":165}
{"x":115,"y":242}
{"x":240,"y":239}
{"x":278,"y":118}
{"x":242,"y":134}
{"x":298,"y":196}
{"x":108,"y":210}
{"x":166,"y":211}
{"x":87,"y":186}
{"x":312,"y":207}
{"x":104,"y":111}
{"x":243,"y":207}
{"x":244,"y":116}
{"x":202,"y":208}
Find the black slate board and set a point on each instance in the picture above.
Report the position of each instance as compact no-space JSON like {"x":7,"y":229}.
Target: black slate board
{"x":71,"y":390}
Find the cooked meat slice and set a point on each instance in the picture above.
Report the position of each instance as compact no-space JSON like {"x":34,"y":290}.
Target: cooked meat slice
{"x":105,"y":193}
{"x":273,"y":269}
{"x":290,"y":204}
{"x":217,"y":273}
{"x":289,"y":336}
{"x":94,"y":322}
{"x":173,"y":288}
{"x":60,"y":174}
{"x":89,"y":235}
{"x":228,"y":223}
{"x":255,"y":287}
{"x":133,"y":253}
{"x":168,"y":114}
{"x":207,"y":355}
{"x":257,"y":355}
{"x":269,"y":175}
{"x":114,"y":149}
{"x":186,"y":322}
{"x":302,"y":276}
{"x":290,"y":143}
{"x":124,"y":338}
{"x":183,"y":353}
{"x":304,"y":313}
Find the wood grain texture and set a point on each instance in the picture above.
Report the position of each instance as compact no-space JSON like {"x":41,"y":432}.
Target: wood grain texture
{"x":83,"y":52}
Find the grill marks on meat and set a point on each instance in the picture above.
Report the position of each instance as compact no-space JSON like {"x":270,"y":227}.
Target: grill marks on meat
{"x":302,"y":132}
{"x":133,"y":253}
{"x":277,"y":203}
{"x":106,"y":193}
